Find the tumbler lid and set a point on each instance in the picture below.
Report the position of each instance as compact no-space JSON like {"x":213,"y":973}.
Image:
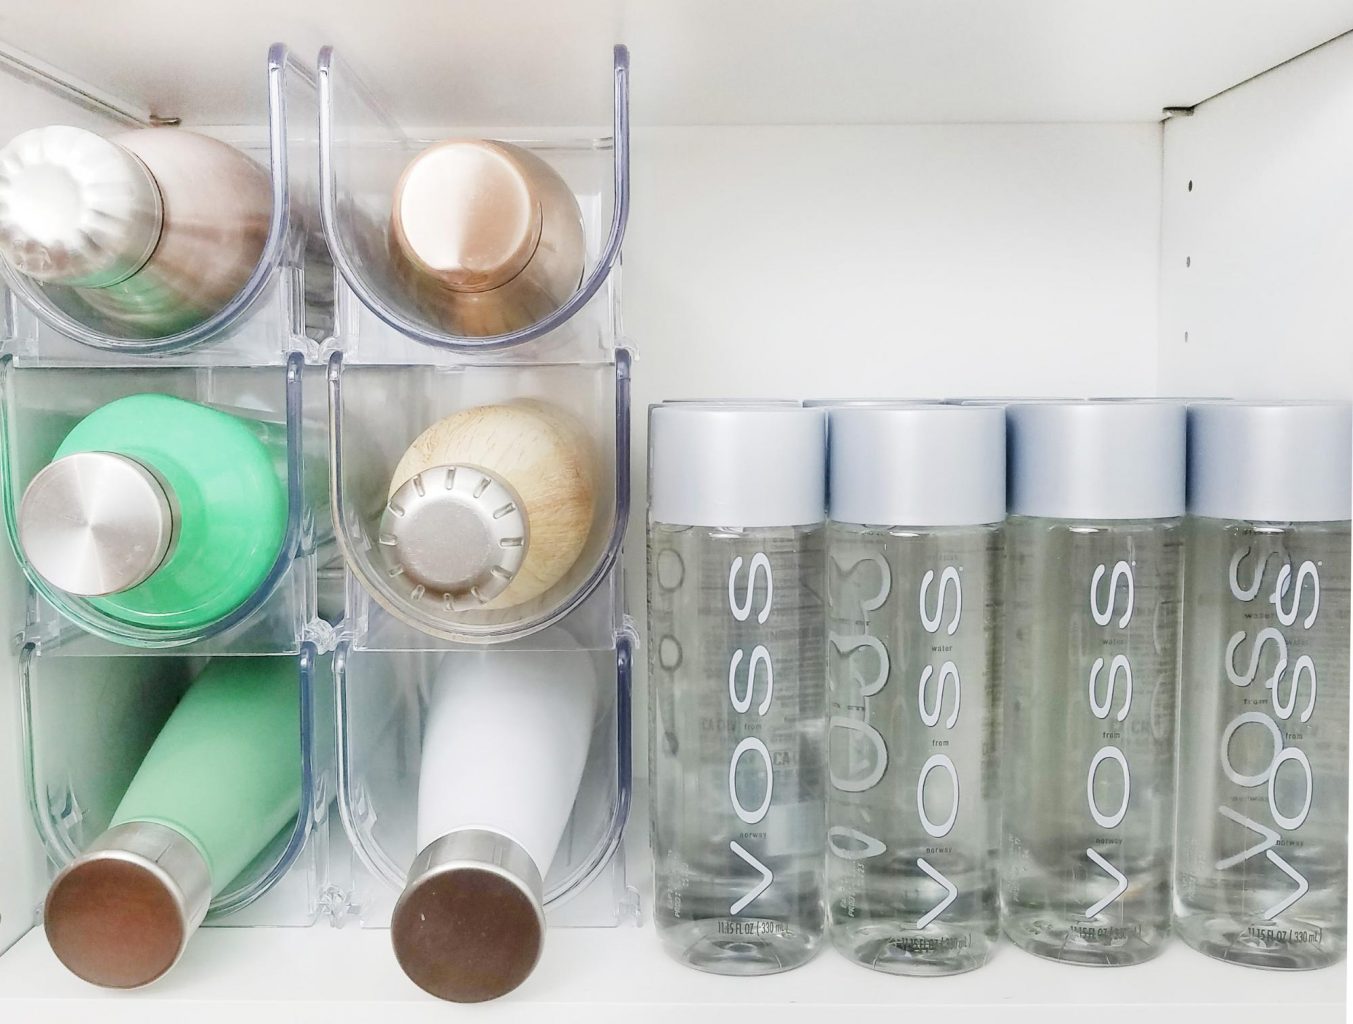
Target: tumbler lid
{"x":918,"y":465}
{"x":1096,"y":460}
{"x":456,"y":532}
{"x":736,"y":464}
{"x":75,"y":208}
{"x":466,"y":213}
{"x":470,"y":924}
{"x":96,"y":523}
{"x":1271,"y":461}
{"x":121,"y":914}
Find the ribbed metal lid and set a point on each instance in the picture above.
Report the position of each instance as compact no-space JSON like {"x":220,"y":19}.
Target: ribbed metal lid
{"x":75,"y":208}
{"x":455,"y":533}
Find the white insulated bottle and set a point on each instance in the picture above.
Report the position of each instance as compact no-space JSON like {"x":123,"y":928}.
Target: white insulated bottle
{"x":504,"y":747}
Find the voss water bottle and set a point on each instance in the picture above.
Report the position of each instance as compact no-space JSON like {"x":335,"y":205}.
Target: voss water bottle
{"x":913,"y":549}
{"x":1092,"y":613}
{"x":737,"y":683}
{"x":1261,"y":871}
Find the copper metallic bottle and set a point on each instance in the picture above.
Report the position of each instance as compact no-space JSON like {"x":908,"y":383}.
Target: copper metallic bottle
{"x":487,"y":237}
{"x":155,"y":229}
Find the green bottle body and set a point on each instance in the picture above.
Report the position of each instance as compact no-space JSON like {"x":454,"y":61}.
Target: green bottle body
{"x":225,"y":771}
{"x":228,"y":494}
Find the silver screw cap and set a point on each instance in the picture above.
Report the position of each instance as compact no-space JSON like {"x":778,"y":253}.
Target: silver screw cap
{"x":75,"y":208}
{"x":457,"y":534}
{"x":121,"y":915}
{"x":96,"y":523}
{"x":470,"y":924}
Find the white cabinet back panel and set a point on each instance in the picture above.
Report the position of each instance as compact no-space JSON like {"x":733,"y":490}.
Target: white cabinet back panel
{"x":914,"y":261}
{"x":697,"y":61}
{"x":1257,"y":257}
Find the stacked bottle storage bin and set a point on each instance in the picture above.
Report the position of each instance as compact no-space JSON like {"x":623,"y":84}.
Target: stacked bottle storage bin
{"x":100,"y":675}
{"x":403,"y":387}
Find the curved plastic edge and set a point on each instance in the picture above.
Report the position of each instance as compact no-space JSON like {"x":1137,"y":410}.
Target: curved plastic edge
{"x":61,"y":852}
{"x":281,"y":65}
{"x":381,"y":866}
{"x":606,"y":848}
{"x":372,"y":580}
{"x":329,"y":62}
{"x":92,"y":621}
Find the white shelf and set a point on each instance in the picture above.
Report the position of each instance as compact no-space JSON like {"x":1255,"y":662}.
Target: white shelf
{"x":621,"y":975}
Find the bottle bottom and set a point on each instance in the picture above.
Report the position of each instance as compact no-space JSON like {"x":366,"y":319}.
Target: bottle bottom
{"x":1266,"y":945}
{"x":715,"y":945}
{"x":1086,"y":943}
{"x":891,"y":948}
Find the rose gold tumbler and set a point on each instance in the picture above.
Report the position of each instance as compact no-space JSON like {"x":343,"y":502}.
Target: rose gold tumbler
{"x":487,"y":236}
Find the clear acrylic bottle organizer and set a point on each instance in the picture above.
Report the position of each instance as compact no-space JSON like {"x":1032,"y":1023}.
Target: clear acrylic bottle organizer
{"x":88,"y":723}
{"x":381,"y":703}
{"x":363,"y":151}
{"x":39,"y":406}
{"x":571,"y":359}
{"x":287,"y":302}
{"x":377,"y":410}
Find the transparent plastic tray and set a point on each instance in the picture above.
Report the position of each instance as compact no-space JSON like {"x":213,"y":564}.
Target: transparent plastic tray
{"x":380,"y":703}
{"x":377,"y":410}
{"x":363,"y":151}
{"x":39,"y":406}
{"x":287,"y":302}
{"x":87,"y":725}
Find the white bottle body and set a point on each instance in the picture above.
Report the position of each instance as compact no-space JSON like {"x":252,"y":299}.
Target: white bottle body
{"x":505,"y":744}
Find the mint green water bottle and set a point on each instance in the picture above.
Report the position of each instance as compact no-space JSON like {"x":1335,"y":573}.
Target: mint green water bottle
{"x":220,"y":782}
{"x":160,"y":512}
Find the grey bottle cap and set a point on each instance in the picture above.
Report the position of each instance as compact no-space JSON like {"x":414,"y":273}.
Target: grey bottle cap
{"x":917,"y":465}
{"x":1271,"y":461}
{"x":470,"y":924}
{"x":121,"y":914}
{"x":727,"y":402}
{"x":1002,"y":402}
{"x":75,"y":208}
{"x":864,"y":403}
{"x":457,"y":534}
{"x":737,"y":465}
{"x":1096,"y":460}
{"x":96,"y":523}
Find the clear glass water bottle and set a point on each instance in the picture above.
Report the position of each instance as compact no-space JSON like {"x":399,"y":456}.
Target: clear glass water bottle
{"x":737,"y":683}
{"x":1261,"y":873}
{"x":913,"y":548}
{"x":1091,"y":631}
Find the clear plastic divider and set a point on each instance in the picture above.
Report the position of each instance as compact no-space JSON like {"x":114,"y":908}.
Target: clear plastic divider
{"x":89,"y":721}
{"x":364,"y":150}
{"x":381,"y":703}
{"x":286,"y":302}
{"x":38,"y":408}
